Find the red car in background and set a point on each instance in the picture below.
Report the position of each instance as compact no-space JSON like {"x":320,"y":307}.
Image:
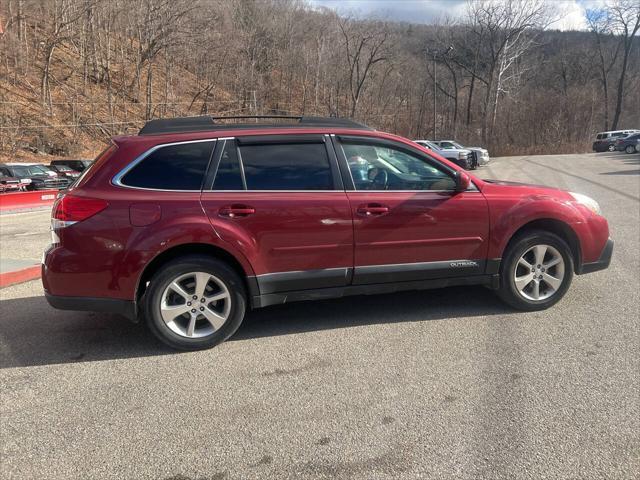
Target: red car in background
{"x":192,"y":222}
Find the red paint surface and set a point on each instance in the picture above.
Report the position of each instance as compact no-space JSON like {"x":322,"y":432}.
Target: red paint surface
{"x":20,"y":200}
{"x":19,"y":276}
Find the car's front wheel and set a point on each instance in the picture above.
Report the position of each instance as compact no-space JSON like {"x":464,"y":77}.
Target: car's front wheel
{"x":536,"y":271}
{"x":611,"y":148}
{"x":195,"y":302}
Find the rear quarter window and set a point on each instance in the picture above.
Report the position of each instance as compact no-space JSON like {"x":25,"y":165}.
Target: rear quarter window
{"x":172,"y":167}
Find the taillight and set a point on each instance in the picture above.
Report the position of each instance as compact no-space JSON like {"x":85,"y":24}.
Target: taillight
{"x":70,"y":209}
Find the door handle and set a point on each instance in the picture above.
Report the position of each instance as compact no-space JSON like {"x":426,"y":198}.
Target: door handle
{"x":372,"y":209}
{"x":233,"y":211}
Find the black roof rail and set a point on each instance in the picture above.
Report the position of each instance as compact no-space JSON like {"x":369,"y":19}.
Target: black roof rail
{"x":206,"y":122}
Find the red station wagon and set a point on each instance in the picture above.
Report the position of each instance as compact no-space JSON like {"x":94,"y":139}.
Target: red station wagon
{"x":192,"y":222}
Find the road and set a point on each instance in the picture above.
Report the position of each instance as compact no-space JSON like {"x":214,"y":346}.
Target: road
{"x":440,"y":384}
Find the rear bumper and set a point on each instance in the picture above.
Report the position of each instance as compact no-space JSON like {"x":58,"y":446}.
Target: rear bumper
{"x":602,"y":263}
{"x":89,"y":304}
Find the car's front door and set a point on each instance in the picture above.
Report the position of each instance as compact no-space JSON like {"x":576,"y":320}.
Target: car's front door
{"x":280,"y":201}
{"x":409,"y":222}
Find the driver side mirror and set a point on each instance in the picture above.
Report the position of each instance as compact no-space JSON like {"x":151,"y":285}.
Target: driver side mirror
{"x":463,"y":181}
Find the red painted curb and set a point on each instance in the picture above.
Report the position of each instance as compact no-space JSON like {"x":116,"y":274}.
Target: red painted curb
{"x":19,"y":276}
{"x":19,"y":200}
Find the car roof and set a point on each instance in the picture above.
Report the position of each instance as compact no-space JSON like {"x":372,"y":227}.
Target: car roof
{"x":619,"y":131}
{"x":24,"y":164}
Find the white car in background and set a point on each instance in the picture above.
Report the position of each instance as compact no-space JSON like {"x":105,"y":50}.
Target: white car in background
{"x":460,"y":156}
{"x":481,"y":154}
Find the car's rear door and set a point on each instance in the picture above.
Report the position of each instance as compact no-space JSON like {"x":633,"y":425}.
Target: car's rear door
{"x":279,"y":199}
{"x":409,"y":222}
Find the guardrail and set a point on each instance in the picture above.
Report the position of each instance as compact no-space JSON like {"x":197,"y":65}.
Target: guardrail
{"x":27,"y":200}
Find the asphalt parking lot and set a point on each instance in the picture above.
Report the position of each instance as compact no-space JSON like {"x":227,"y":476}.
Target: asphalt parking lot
{"x":439,"y":384}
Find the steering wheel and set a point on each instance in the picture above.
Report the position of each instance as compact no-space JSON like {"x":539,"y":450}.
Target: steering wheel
{"x":379,"y":177}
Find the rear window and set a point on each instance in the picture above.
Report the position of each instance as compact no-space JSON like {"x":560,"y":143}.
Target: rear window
{"x":173,"y":167}
{"x":286,"y":167}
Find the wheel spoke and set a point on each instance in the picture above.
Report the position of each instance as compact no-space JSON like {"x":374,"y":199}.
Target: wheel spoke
{"x":524,"y":263}
{"x":202,"y":279}
{"x":175,"y":286}
{"x":535,"y":293}
{"x":523,"y":281}
{"x":539,"y":252}
{"x":216,"y":320}
{"x":553,"y":262}
{"x":192,"y":326}
{"x":218,"y":296}
{"x":552,"y":281}
{"x":170,"y":312}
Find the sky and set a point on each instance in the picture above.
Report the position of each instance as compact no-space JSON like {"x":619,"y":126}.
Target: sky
{"x":428,"y":11}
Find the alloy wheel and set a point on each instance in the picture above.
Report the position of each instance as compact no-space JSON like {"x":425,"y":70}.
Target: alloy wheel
{"x":195,"y":305}
{"x":539,"y":273}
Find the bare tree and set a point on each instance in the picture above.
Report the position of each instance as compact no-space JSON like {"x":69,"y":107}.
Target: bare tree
{"x":365,"y":46}
{"x":625,"y":19}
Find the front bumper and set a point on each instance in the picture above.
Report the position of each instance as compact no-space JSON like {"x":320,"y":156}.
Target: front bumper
{"x":602,"y":262}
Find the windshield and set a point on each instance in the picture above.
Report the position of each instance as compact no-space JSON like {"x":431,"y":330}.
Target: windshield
{"x":430,"y":145}
{"x":25,"y":171}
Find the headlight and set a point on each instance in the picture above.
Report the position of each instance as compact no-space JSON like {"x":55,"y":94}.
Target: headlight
{"x":26,"y":180}
{"x":588,"y":202}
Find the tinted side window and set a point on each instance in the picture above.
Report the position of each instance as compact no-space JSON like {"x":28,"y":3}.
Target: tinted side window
{"x":286,"y":167}
{"x":174,"y":167}
{"x":228,"y":176}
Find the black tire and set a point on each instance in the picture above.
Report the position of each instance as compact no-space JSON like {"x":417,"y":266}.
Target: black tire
{"x":181,"y":266}
{"x":508,"y":291}
{"x":611,"y":148}
{"x":630,"y":149}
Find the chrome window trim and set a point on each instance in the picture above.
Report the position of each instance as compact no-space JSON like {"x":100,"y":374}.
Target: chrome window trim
{"x":117,"y":179}
{"x":337,"y":191}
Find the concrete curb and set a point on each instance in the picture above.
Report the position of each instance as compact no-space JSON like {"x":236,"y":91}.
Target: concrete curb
{"x":19,"y":276}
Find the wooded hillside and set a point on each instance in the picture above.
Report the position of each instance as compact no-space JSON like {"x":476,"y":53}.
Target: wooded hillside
{"x":75,"y":72}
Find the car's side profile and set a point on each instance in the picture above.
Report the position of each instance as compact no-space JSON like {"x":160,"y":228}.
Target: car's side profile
{"x":190,"y":223}
{"x":629,"y":144}
{"x":606,"y":141}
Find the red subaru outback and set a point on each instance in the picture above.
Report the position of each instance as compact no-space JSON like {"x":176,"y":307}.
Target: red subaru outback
{"x":192,"y":222}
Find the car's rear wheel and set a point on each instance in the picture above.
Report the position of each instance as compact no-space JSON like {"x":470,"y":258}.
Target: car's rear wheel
{"x":195,"y":302}
{"x":536,"y":271}
{"x":630,"y":149}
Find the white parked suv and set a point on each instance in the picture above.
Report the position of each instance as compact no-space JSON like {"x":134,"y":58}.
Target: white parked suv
{"x":460,"y":156}
{"x":481,"y":155}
